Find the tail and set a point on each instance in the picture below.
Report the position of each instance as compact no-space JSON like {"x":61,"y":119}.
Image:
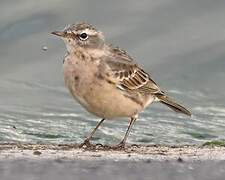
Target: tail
{"x":172,"y":104}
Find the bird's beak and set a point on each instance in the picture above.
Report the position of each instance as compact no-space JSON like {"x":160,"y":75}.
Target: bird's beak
{"x":59,"y":33}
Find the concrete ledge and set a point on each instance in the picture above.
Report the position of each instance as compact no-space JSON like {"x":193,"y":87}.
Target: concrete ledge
{"x":132,"y":152}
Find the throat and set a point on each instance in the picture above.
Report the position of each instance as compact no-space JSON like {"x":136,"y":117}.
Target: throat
{"x":87,"y":54}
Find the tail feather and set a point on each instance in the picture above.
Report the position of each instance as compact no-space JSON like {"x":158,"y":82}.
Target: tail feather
{"x":172,"y":104}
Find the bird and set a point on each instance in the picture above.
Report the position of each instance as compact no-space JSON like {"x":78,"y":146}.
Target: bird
{"x":106,"y":80}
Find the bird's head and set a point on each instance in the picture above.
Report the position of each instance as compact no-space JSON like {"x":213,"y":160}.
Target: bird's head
{"x":81,"y":35}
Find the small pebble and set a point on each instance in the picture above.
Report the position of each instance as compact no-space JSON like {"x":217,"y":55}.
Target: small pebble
{"x":38,"y":153}
{"x":44,"y":48}
{"x":180,"y":159}
{"x":96,"y":155}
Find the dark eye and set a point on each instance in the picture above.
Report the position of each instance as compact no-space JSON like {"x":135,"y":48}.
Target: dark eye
{"x":83,"y":36}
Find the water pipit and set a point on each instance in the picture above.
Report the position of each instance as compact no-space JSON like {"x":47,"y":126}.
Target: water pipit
{"x":105,"y":80}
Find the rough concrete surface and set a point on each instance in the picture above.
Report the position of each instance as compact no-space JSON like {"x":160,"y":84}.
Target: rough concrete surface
{"x":99,"y":152}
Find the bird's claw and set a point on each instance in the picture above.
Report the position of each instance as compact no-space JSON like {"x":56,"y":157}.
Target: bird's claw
{"x":86,"y":144}
{"x":119,"y":146}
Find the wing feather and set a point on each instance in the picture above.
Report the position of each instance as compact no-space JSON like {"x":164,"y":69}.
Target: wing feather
{"x":128,"y":75}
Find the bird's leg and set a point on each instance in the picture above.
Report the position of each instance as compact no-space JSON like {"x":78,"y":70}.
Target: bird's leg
{"x":121,"y":145}
{"x":87,"y":140}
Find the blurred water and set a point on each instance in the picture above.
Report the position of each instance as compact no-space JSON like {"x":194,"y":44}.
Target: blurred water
{"x":181,"y":43}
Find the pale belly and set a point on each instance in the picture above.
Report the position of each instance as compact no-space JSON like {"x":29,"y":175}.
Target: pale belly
{"x":107,"y":101}
{"x":99,"y":97}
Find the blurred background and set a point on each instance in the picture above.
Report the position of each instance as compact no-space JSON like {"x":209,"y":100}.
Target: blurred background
{"x":180,"y":43}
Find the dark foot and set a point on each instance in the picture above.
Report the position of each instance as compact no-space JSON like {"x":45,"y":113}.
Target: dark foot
{"x":119,"y":146}
{"x":86,"y":144}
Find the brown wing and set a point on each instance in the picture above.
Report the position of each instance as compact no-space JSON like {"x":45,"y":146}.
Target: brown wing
{"x":128,"y":75}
